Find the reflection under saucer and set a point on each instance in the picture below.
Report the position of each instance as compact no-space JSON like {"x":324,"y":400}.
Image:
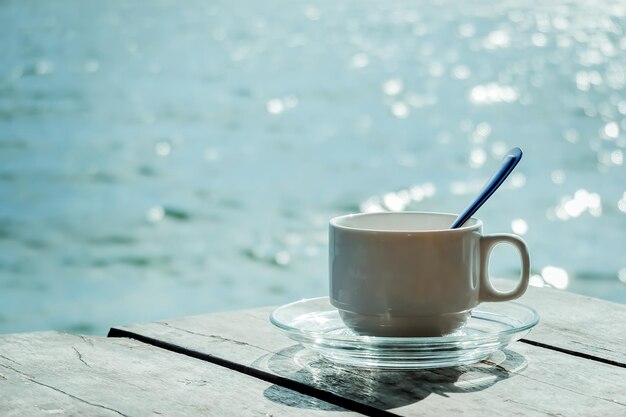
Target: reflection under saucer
{"x":386,"y":388}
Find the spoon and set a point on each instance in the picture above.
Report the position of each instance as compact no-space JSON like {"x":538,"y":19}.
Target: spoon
{"x":509,"y":162}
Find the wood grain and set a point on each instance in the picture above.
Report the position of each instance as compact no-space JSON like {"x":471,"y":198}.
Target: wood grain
{"x":524,"y":380}
{"x":570,"y":323}
{"x":578,"y":324}
{"x":43,"y":374}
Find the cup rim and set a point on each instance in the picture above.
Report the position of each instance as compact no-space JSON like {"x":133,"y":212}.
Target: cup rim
{"x":334,"y":223}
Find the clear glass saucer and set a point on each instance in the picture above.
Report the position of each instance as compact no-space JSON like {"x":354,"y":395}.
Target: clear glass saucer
{"x":316,"y":324}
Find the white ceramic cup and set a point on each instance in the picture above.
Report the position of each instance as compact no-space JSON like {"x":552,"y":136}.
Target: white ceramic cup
{"x":408,"y":274}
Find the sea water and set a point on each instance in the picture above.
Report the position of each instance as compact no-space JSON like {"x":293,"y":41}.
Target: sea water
{"x":163,"y":158}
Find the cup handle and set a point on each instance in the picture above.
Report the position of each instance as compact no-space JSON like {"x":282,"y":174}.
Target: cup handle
{"x":487,"y":291}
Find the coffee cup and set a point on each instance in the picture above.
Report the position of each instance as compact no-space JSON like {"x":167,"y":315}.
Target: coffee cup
{"x":407,"y":274}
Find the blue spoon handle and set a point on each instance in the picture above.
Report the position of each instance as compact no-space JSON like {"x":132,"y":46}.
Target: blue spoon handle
{"x":511,"y":159}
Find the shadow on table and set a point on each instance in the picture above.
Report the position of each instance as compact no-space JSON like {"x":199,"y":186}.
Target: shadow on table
{"x":382,"y":389}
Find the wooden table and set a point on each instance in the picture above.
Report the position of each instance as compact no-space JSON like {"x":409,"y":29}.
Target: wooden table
{"x":236,"y":364}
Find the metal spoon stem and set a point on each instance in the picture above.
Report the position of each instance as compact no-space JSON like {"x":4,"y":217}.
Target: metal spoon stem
{"x":511,"y":159}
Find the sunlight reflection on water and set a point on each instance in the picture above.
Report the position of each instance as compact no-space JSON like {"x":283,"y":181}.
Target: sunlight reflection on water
{"x":161,"y":159}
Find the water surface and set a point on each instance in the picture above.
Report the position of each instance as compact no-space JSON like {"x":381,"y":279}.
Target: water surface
{"x":162,"y":158}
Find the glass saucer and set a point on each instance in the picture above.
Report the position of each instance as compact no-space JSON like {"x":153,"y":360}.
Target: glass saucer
{"x":316,"y":324}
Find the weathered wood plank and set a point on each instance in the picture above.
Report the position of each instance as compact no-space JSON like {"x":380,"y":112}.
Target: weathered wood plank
{"x":579,"y":324}
{"x":52,"y":373}
{"x":569,"y":322}
{"x":527,"y":380}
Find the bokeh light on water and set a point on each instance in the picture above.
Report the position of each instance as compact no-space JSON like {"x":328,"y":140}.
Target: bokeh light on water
{"x":168,"y":158}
